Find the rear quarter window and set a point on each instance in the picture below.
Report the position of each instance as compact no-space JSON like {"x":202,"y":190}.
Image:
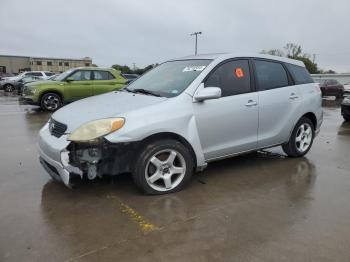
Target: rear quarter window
{"x":103,"y":75}
{"x":270,"y":75}
{"x":299,"y":74}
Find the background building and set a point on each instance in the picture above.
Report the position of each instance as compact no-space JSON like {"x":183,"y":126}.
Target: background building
{"x":17,"y":64}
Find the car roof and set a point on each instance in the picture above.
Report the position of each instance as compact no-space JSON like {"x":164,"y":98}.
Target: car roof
{"x":94,"y":68}
{"x":130,"y":74}
{"x":223,"y":56}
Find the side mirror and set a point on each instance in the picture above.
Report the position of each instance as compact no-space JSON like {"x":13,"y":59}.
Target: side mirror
{"x":69,"y":79}
{"x":207,"y":93}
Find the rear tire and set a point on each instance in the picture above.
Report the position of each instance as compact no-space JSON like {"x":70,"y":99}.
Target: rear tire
{"x":163,"y":167}
{"x":301,"y":139}
{"x":50,"y":102}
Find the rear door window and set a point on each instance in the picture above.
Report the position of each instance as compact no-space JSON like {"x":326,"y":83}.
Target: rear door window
{"x":299,"y":74}
{"x":81,"y":75}
{"x":233,"y":78}
{"x":270,"y":75}
{"x":103,"y":75}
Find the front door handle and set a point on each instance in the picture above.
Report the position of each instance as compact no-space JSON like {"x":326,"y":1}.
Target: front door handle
{"x":251,"y":103}
{"x":293,"y":96}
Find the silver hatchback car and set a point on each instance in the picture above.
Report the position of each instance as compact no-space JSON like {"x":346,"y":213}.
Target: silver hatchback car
{"x":182,"y":115}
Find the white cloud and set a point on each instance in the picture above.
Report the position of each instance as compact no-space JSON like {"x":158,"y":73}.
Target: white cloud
{"x":145,"y":32}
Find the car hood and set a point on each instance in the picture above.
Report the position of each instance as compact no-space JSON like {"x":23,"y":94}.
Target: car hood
{"x":8,"y":80}
{"x":113,"y":104}
{"x":11,"y":78}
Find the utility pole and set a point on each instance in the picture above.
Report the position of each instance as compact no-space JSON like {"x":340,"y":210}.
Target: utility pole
{"x":313,"y":58}
{"x":196,"y":34}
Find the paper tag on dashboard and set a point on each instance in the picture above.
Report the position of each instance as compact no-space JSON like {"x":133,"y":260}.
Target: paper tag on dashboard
{"x":193,"y":68}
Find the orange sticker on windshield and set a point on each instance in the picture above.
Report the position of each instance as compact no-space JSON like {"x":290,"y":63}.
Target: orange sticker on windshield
{"x":239,"y":72}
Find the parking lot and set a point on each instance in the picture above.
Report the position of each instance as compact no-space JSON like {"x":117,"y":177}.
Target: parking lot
{"x":258,"y":207}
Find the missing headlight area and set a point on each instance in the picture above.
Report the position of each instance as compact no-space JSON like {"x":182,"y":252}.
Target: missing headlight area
{"x":102,"y":158}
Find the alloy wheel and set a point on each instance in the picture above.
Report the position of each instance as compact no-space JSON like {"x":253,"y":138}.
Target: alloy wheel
{"x":9,"y":88}
{"x":165,"y":170}
{"x":51,"y":102}
{"x":303,"y":138}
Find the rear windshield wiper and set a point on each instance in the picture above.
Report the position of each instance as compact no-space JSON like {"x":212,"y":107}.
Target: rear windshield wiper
{"x":143,"y":91}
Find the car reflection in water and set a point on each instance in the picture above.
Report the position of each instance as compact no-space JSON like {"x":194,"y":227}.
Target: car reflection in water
{"x":256,"y":196}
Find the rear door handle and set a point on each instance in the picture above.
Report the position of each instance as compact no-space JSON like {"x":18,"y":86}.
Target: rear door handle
{"x":251,"y":103}
{"x":293,"y":96}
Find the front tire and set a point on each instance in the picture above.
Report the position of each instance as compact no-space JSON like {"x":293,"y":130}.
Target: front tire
{"x":163,"y":167}
{"x":301,"y":139}
{"x":9,"y":88}
{"x":50,"y":102}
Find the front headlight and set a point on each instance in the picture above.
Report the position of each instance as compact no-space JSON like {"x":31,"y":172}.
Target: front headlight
{"x":29,"y":90}
{"x":95,"y":129}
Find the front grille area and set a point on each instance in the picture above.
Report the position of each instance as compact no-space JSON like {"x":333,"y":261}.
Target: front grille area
{"x":56,"y":128}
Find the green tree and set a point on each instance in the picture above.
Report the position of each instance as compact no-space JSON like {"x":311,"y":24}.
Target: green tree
{"x":310,"y":66}
{"x":122,"y":68}
{"x":127,"y":70}
{"x":276,"y":52}
{"x":295,"y":51}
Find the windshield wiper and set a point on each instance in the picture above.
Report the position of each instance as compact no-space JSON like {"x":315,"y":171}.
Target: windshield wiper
{"x":126,"y":89}
{"x":143,"y":91}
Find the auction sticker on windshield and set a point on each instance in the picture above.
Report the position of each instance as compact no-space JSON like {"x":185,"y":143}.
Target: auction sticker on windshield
{"x":193,"y":68}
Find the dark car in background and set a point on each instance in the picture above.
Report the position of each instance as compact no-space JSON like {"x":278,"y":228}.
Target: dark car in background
{"x":331,"y":87}
{"x":130,"y":77}
{"x":345,"y":108}
{"x":347,"y":88}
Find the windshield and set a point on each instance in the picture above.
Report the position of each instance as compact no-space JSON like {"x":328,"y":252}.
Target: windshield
{"x":62,"y":76}
{"x":17,"y":77}
{"x":170,"y":78}
{"x":53,"y":78}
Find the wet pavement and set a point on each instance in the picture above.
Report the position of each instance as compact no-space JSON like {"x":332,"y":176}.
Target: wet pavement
{"x":258,"y":207}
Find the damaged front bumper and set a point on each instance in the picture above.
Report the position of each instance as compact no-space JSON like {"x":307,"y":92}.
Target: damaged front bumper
{"x":64,"y":160}
{"x":53,"y":152}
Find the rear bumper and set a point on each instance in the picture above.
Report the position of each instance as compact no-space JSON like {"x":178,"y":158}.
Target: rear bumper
{"x":345,"y":110}
{"x":319,"y":123}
